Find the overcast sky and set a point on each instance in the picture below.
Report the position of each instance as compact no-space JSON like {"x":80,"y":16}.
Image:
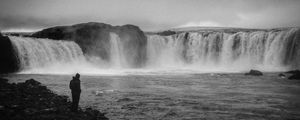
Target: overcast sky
{"x":149,"y":15}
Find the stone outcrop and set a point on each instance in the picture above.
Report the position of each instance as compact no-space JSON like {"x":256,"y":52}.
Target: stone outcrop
{"x":254,"y":73}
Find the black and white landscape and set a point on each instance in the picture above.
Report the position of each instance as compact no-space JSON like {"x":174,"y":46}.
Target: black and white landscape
{"x":163,"y":59}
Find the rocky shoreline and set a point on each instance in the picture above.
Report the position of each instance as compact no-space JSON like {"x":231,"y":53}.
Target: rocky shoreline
{"x":31,"y":100}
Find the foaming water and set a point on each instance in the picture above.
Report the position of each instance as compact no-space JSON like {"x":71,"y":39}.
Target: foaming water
{"x":219,"y":51}
{"x":44,"y":56}
{"x":118,"y":59}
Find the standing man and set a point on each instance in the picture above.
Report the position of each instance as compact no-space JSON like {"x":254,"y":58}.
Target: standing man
{"x":75,"y":88}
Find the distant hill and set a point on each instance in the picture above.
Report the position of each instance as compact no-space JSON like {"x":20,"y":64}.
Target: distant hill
{"x":210,"y":29}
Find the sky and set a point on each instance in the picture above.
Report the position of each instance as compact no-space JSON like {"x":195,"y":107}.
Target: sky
{"x":149,"y":15}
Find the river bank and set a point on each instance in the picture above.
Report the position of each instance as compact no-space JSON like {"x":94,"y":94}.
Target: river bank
{"x":30,"y":100}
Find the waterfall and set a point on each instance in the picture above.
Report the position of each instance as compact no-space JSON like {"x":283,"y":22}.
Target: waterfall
{"x":117,"y":54}
{"x":266,"y":50}
{"x":34,"y":53}
{"x":164,"y":51}
{"x":272,"y":50}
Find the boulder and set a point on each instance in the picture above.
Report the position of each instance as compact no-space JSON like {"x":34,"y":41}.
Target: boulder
{"x":281,"y":75}
{"x":32,"y":82}
{"x":294,"y":77}
{"x":94,"y":39}
{"x":295,"y":74}
{"x":254,"y":73}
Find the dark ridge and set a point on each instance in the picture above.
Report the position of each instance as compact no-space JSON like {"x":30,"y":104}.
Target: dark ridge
{"x":31,"y":100}
{"x":254,"y":73}
{"x":18,"y":34}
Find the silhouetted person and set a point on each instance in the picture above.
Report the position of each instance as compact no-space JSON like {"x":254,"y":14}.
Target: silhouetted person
{"x":75,"y":88}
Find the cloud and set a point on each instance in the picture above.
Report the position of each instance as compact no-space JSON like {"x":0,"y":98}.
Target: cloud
{"x":201,"y":24}
{"x":277,"y":16}
{"x":150,"y":14}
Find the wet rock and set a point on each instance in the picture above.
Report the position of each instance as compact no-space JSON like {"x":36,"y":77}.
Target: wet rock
{"x":32,"y":82}
{"x":295,"y":74}
{"x":294,"y":77}
{"x":254,"y":73}
{"x":282,"y":75}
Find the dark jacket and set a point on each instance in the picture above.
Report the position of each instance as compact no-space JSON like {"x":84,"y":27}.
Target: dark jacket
{"x":75,"y":85}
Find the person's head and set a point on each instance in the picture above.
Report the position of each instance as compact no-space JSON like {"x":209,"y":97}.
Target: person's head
{"x":77,"y":75}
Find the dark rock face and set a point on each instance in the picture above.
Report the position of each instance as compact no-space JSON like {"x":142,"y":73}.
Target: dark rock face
{"x":295,"y":74}
{"x":8,"y":58}
{"x":93,"y":38}
{"x":254,"y":73}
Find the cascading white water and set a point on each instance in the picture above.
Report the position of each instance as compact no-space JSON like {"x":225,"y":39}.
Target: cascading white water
{"x":219,"y":51}
{"x":164,"y":51}
{"x":274,"y":50}
{"x":40,"y":54}
{"x":117,"y":59}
